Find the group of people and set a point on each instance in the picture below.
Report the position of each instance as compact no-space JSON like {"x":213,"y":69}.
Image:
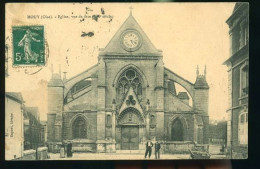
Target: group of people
{"x":148,"y":151}
{"x":66,"y":150}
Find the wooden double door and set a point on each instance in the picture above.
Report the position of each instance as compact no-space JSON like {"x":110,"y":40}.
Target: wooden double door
{"x":130,"y":138}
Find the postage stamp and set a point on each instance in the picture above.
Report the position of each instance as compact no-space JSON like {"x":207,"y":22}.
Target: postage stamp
{"x":28,"y":45}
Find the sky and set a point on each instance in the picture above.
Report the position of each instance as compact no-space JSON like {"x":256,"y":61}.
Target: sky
{"x":189,"y":34}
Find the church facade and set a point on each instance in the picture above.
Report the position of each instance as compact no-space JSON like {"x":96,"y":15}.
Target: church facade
{"x":126,"y":99}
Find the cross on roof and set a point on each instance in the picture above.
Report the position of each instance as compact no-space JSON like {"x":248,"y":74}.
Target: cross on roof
{"x":131,"y":8}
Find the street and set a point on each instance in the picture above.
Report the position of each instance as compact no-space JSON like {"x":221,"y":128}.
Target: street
{"x":119,"y":156}
{"x":112,"y":156}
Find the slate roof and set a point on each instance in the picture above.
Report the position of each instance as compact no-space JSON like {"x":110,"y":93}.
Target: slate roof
{"x":31,"y":116}
{"x":183,"y":95}
{"x":201,"y":82}
{"x":56,"y":81}
{"x":17,"y":96}
{"x":33,"y":111}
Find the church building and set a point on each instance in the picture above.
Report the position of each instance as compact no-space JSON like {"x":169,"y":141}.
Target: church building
{"x":127,"y":98}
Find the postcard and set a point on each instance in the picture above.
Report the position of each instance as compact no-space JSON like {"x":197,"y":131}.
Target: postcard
{"x":126,"y":81}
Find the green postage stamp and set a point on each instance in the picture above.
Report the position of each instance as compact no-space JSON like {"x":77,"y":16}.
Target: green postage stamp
{"x":28,"y":45}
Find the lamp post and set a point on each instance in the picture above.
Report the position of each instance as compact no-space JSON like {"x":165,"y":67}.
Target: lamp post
{"x":35,"y":137}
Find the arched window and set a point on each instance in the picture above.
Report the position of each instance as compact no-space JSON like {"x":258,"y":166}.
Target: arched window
{"x":77,"y":88}
{"x":81,"y":85}
{"x":129,"y":78}
{"x":79,"y":128}
{"x":177,"y":130}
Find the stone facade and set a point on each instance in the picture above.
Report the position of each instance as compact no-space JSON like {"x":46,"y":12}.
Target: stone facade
{"x":126,"y":99}
{"x":238,"y":68}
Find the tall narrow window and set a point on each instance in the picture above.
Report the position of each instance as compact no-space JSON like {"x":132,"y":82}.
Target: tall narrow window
{"x":243,"y":33}
{"x":109,"y":121}
{"x":244,"y":80}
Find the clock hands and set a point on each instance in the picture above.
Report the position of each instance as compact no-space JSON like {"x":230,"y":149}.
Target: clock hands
{"x":133,"y":42}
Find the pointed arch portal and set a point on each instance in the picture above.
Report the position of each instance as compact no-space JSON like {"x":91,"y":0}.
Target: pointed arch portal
{"x":79,"y":128}
{"x":177,"y":130}
{"x":130,"y":121}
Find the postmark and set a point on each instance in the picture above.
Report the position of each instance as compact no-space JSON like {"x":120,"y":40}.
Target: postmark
{"x":28,"y":46}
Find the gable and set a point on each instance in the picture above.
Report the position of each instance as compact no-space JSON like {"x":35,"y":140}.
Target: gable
{"x":115,"y":46}
{"x":131,"y":101}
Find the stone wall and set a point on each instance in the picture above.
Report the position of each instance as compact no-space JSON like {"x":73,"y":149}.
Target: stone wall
{"x":240,"y":152}
{"x":31,"y":154}
{"x":201,"y":100}
{"x":188,"y":125}
{"x":148,"y":73}
{"x":235,"y":120}
{"x":91,"y":124}
{"x":84,"y":147}
{"x":177,"y":147}
{"x":54,"y":147}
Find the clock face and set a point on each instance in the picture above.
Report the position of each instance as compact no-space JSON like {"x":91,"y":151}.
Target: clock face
{"x":131,"y":40}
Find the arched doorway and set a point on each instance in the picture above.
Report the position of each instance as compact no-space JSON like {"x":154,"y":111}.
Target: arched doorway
{"x":79,"y":128}
{"x":177,"y":130}
{"x":130,"y":122}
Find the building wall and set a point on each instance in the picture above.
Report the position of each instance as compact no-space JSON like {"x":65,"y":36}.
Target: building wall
{"x":113,"y":69}
{"x":95,"y":102}
{"x":91,"y":121}
{"x":218,"y":133}
{"x":55,"y":108}
{"x":239,"y":54}
{"x":175,"y":104}
{"x":187,"y":122}
{"x":14,"y":129}
{"x":84,"y":100}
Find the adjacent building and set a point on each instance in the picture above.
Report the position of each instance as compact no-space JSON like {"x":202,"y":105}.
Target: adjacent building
{"x":126,"y":99}
{"x":218,"y":133}
{"x":34,"y":135}
{"x":238,"y":67}
{"x":14,"y":137}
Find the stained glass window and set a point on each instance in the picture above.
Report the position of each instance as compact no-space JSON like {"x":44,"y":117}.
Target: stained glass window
{"x":129,"y":78}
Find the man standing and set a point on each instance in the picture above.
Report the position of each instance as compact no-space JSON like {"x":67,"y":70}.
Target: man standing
{"x":149,"y":146}
{"x":157,"y":148}
{"x":69,"y":149}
